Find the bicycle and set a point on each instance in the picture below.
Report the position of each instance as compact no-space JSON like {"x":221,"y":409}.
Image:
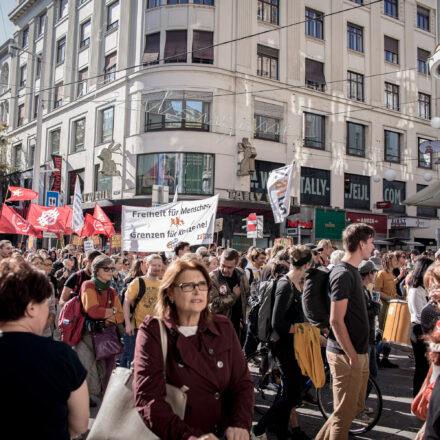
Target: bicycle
{"x":269,"y":386}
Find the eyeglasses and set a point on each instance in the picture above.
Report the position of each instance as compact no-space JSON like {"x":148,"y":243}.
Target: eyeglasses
{"x":126,"y":264}
{"x":108,"y":269}
{"x":189,"y":287}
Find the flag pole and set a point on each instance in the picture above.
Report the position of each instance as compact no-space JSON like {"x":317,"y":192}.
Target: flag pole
{"x":6,"y":195}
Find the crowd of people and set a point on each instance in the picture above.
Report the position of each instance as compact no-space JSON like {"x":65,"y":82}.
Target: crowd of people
{"x":202,"y":297}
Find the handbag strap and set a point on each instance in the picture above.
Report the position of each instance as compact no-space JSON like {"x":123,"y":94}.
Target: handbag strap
{"x":164,"y":343}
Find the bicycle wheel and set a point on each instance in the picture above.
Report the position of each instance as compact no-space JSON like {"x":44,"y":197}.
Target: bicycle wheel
{"x":366,"y":419}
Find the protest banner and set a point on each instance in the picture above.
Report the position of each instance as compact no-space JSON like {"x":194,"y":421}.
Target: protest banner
{"x":278,"y":190}
{"x":96,"y":239}
{"x":77,"y":241}
{"x":88,"y":245}
{"x":160,"y":228}
{"x":286,"y":241}
{"x":115,"y":241}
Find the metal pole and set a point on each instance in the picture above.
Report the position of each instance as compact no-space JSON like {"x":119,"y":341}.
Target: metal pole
{"x":299,"y":234}
{"x":37,"y":153}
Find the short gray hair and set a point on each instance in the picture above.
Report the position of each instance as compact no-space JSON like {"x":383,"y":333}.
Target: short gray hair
{"x":99,"y":262}
{"x":336,"y":256}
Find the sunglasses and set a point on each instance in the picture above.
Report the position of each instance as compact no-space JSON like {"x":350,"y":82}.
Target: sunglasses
{"x":126,"y":264}
{"x":108,"y":269}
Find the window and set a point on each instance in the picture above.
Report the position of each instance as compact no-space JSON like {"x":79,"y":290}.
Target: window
{"x":110,"y":67}
{"x":392,"y":146}
{"x":390,"y":8}
{"x":391,"y":47}
{"x":359,"y":2}
{"x":106,"y":117}
{"x":193,"y":172}
{"x":266,"y":128}
{"x":102,"y":183}
{"x":31,"y":153}
{"x":204,"y":2}
{"x":423,"y":211}
{"x":422,"y":61}
{"x":16,"y":156}
{"x":178,"y":111}
{"x":355,"y":139}
{"x":176,"y":2}
{"x":78,"y":134}
{"x":25,"y":37}
{"x":203,"y":52}
{"x":36,"y":104}
{"x":314,"y":131}
{"x":267,"y":62}
{"x":154,"y":3}
{"x":84,"y":38}
{"x":38,"y":66}
{"x":175,"y":47}
{"x":72,"y":180}
{"x":314,"y":24}
{"x":62,"y":8}
{"x":58,"y":95}
{"x":392,"y":96}
{"x":355,"y":86}
{"x":315,"y":78}
{"x":424,"y":159}
{"x":355,"y":37}
{"x":152,"y":49}
{"x":424,"y":106}
{"x":23,"y":76}
{"x":61,"y":50}
{"x":422,"y":18}
{"x":41,"y":23}
{"x":268,"y":11}
{"x":113,"y":15}
{"x":20,"y":118}
{"x":54,"y":141}
{"x":82,"y":82}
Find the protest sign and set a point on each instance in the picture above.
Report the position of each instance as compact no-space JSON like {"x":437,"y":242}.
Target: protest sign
{"x":88,"y":245}
{"x":115,"y":241}
{"x":286,"y":242}
{"x":77,"y":241}
{"x":160,"y":228}
{"x":278,"y":190}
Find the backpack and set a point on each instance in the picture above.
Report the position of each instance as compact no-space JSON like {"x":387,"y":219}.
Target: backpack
{"x":316,"y":296}
{"x":140,"y":294}
{"x":71,"y":321}
{"x":266,"y":292}
{"x":77,"y":288}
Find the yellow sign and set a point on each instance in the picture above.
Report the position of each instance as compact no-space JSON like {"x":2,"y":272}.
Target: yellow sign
{"x":77,"y":241}
{"x":116,"y":241}
{"x":286,"y":242}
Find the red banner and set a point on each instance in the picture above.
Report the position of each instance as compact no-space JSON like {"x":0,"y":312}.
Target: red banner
{"x":92,"y":226}
{"x":13,"y":223}
{"x":378,"y":222}
{"x":100,"y":215}
{"x":18,"y":193}
{"x":56,"y":175}
{"x":49,"y":219}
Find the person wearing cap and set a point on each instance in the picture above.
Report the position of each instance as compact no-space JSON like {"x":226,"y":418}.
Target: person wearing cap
{"x":325,"y":249}
{"x":368,"y":272}
{"x":315,"y":253}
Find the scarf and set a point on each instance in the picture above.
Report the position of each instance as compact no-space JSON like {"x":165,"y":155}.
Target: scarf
{"x":100,"y":286}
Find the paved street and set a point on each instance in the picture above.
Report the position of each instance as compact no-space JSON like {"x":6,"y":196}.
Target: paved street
{"x":396,"y":421}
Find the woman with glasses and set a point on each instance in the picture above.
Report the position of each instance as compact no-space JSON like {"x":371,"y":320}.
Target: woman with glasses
{"x":125,"y":267}
{"x":117,"y":281}
{"x":204,"y":355}
{"x":102,"y":308}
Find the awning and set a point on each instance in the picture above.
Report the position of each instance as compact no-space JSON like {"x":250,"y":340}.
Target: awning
{"x":382,"y":242}
{"x":429,"y":197}
{"x":412,"y":243}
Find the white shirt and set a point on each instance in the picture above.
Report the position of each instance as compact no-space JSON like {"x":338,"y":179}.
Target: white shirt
{"x":187,"y":330}
{"x":417,"y":299}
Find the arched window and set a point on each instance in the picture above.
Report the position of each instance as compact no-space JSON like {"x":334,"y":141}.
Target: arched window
{"x":4,"y":77}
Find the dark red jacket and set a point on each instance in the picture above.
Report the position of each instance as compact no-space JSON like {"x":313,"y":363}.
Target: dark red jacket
{"x":210,"y":363}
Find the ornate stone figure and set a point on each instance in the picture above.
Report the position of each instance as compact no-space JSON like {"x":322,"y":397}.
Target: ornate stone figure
{"x":247,"y":163}
{"x":108,"y":167}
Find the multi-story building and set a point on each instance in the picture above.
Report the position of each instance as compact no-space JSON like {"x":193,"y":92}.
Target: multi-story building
{"x":142,"y":92}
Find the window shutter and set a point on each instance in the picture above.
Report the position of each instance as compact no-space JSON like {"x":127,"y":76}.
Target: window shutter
{"x":202,"y":39}
{"x":315,"y":71}
{"x":422,"y":54}
{"x":175,"y":45}
{"x":422,"y":11}
{"x":110,"y":60}
{"x":266,"y":51}
{"x":391,"y":44}
{"x":152,"y":48}
{"x":271,"y":110}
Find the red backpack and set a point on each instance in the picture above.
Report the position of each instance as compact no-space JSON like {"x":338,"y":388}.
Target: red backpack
{"x":71,"y":321}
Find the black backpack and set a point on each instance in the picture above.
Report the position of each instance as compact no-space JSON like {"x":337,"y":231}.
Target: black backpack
{"x":140,"y":294}
{"x":316,"y":296}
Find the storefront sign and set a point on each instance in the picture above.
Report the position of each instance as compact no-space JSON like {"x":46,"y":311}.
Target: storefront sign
{"x":246,"y":195}
{"x":329,"y":224}
{"x":378,"y":222}
{"x":315,"y":187}
{"x":97,"y":195}
{"x":261,"y":174}
{"x":383,"y":205}
{"x":160,"y":228}
{"x":56,"y":175}
{"x":394,"y":192}
{"x":356,"y":191}
{"x":408,"y":222}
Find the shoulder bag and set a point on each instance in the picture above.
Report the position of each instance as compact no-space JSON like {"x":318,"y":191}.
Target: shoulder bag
{"x":419,"y":406}
{"x":118,"y":418}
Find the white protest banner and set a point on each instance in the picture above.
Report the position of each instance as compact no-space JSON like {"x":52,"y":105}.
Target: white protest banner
{"x":278,"y":190}
{"x":88,"y":245}
{"x":160,"y":228}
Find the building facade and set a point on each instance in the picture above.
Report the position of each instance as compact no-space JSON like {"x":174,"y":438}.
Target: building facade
{"x":145,"y":92}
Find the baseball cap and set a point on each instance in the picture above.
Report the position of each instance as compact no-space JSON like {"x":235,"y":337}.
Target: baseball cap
{"x":367,"y":266}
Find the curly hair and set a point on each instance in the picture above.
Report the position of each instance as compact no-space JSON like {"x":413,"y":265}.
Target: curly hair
{"x":387,"y":261}
{"x":20,"y":284}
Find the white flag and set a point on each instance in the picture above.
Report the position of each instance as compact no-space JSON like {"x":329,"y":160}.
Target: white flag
{"x":77,"y":217}
{"x":278,"y":189}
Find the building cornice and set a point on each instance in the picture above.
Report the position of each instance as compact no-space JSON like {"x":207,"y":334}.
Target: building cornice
{"x":18,"y":11}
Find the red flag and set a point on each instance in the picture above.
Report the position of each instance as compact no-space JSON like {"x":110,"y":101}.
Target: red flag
{"x":100,"y":215}
{"x":18,"y":193}
{"x":68,"y":228}
{"x":92,"y":226}
{"x":13,"y":223}
{"x":49,"y":219}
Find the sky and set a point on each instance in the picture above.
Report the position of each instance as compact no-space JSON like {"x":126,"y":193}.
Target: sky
{"x":6,"y":27}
